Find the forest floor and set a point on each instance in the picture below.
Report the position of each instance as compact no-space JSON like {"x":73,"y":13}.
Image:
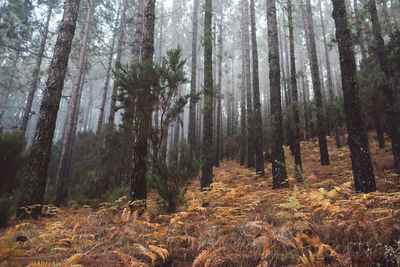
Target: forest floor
{"x":240,"y":222}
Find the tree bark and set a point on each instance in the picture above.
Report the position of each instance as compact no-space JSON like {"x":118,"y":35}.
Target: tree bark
{"x":295,"y":144}
{"x":207,"y":171}
{"x":60,"y":193}
{"x":35,"y":178}
{"x":278,"y":157}
{"x":364,"y":178}
{"x":36,"y":71}
{"x":317,"y":88}
{"x":258,"y":131}
{"x":388,"y":92}
{"x":192,"y":108}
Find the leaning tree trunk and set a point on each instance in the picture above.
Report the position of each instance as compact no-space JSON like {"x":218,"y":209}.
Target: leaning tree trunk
{"x":35,"y":180}
{"x":278,"y":156}
{"x":332,"y":105}
{"x":256,"y":95}
{"x":121,"y":35}
{"x":35,"y":74}
{"x":192,"y":109}
{"x":206,"y":178}
{"x":364,"y":178}
{"x":323,"y":148}
{"x":250,"y":114}
{"x":243,"y":115}
{"x":295,"y":135}
{"x":138,"y":189}
{"x":60,"y":193}
{"x":388,"y":92}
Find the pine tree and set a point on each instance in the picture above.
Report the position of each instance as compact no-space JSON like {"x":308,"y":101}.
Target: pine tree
{"x":364,"y":179}
{"x":278,"y":157}
{"x":207,"y":171}
{"x":35,"y":179}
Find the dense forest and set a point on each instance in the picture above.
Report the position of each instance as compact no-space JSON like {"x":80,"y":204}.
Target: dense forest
{"x":199,"y":133}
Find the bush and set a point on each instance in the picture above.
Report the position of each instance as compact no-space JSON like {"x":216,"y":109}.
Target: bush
{"x":170,"y":181}
{"x":12,"y":160}
{"x":6,"y":209}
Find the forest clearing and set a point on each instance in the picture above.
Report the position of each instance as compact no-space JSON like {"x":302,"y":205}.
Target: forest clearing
{"x":200,"y":133}
{"x":240,"y":222}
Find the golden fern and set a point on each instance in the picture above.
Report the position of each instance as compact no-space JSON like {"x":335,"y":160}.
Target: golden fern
{"x":205,"y":255}
{"x":144,"y":251}
{"x":74,"y":259}
{"x":40,"y":264}
{"x":130,"y":259}
{"x":160,"y":251}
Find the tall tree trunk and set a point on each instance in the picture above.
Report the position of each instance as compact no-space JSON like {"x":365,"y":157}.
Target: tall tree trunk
{"x":106,"y":83}
{"x":250,"y":115}
{"x":295,"y":144}
{"x":332,"y":107}
{"x":60,"y":193}
{"x":388,"y":92}
{"x":207,"y":171}
{"x":35,"y":180}
{"x":137,"y":44}
{"x":243,"y":115}
{"x":138,"y":190}
{"x":278,"y":156}
{"x":317,"y":88}
{"x":121,"y":36}
{"x":359,"y":27}
{"x":192,"y":109}
{"x":36,"y":70}
{"x":218,"y":144}
{"x":364,"y":178}
{"x":256,"y":94}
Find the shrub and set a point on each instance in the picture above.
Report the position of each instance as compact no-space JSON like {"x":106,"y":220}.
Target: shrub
{"x":12,"y":145}
{"x":6,"y":209}
{"x":170,"y":181}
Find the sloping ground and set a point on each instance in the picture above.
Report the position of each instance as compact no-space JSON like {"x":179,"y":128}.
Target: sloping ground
{"x":240,"y":222}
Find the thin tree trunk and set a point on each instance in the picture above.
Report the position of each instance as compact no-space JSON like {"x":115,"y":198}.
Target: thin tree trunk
{"x":36,"y":70}
{"x":121,"y":36}
{"x":219,"y":96}
{"x":35,"y":180}
{"x":364,"y":178}
{"x":317,"y":88}
{"x":207,"y":171}
{"x":60,"y":193}
{"x":295,"y":103}
{"x":106,"y":83}
{"x":192,"y":109}
{"x":256,"y":94}
{"x":388,"y":92}
{"x":278,"y":157}
{"x":250,"y":115}
{"x":243,"y":115}
{"x":332,"y":107}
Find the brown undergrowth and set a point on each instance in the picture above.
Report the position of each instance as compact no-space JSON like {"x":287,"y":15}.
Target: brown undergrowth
{"x":241,"y":221}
